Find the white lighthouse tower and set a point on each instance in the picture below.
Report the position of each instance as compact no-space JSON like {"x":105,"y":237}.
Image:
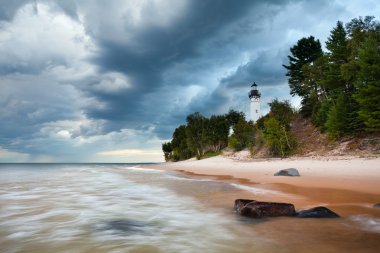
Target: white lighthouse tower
{"x":254,"y":95}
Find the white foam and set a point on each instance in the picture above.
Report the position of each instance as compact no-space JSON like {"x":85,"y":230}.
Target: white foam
{"x":367,"y":223}
{"x":73,"y":201}
{"x":260,"y":191}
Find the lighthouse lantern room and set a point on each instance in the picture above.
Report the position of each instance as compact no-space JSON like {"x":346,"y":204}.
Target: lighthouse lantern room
{"x":254,"y":96}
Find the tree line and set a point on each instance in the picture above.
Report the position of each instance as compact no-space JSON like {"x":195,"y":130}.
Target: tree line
{"x":339,"y":87}
{"x":202,"y":137}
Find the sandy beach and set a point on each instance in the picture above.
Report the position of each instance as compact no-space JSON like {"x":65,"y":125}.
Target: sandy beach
{"x":345,"y":183}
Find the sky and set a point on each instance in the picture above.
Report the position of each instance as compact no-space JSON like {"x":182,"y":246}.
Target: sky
{"x":109,"y":81}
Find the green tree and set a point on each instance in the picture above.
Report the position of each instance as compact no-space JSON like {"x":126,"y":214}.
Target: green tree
{"x":244,"y":132}
{"x":306,"y":51}
{"x":321,"y":115}
{"x":368,"y":81}
{"x":342,"y":118}
{"x":218,"y":132}
{"x":180,"y":148}
{"x":338,"y":54}
{"x":167,"y":149}
{"x":282,"y":111}
{"x":357,"y":30}
{"x":195,"y":133}
{"x":234,"y":144}
{"x":233,"y":117}
{"x":279,"y":140}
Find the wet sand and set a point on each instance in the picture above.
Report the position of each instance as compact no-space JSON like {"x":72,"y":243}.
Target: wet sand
{"x":349,"y":186}
{"x":328,"y":180}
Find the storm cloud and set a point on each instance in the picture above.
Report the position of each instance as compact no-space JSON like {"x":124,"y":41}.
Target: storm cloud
{"x":81,"y":80}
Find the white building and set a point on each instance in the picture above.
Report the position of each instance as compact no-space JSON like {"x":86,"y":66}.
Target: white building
{"x":254,"y":96}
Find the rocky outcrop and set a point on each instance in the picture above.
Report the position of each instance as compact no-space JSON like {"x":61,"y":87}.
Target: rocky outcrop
{"x":317,"y":212}
{"x":260,"y":209}
{"x":257,"y":209}
{"x":291,"y":172}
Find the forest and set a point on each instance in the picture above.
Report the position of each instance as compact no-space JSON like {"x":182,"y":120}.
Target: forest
{"x":339,"y":90}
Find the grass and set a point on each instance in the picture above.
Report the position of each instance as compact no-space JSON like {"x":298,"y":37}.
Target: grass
{"x":211,"y":154}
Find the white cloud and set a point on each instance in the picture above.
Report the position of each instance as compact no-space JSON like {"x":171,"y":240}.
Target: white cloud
{"x":113,"y":82}
{"x":39,"y":37}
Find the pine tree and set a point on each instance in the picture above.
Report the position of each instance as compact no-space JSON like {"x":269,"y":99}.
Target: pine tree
{"x":337,"y":56}
{"x":368,"y":81}
{"x":306,"y":50}
{"x":343,"y":118}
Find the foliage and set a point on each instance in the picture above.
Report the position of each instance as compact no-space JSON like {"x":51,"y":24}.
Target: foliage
{"x":320,"y":117}
{"x":279,"y":140}
{"x":167,"y":149}
{"x":234,"y":144}
{"x":234,"y":117}
{"x":340,"y":88}
{"x":244,"y":133}
{"x":368,"y":82}
{"x":211,"y":154}
{"x":204,"y":137}
{"x":282,"y":111}
{"x":306,"y":51}
{"x":217,"y":131}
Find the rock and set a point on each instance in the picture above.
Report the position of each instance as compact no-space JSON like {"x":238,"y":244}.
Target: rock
{"x":291,"y":172}
{"x":125,"y":227}
{"x":376,"y":205}
{"x":317,"y":212}
{"x":257,"y":209}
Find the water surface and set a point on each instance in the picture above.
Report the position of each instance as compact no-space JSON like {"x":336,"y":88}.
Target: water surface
{"x":122,"y":208}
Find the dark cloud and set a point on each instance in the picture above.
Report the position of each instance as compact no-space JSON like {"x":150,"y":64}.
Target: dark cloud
{"x":136,"y":68}
{"x":196,"y":37}
{"x":265,"y":69}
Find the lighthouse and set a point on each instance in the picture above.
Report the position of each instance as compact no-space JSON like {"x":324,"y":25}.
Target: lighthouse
{"x":254,"y":96}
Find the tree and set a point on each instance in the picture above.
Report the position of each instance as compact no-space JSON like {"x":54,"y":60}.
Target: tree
{"x":282,"y":111}
{"x":195,"y":133}
{"x":337,"y":56}
{"x":368,"y":81}
{"x":306,"y":50}
{"x":342,"y":117}
{"x":233,"y":117}
{"x":218,"y":132}
{"x":244,"y":132}
{"x":279,"y":140}
{"x":357,"y":30}
{"x":167,"y":149}
{"x":304,"y":54}
{"x":320,"y":117}
{"x":180,"y":148}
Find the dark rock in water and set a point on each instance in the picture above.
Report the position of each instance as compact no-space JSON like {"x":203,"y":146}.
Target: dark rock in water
{"x":123,"y":226}
{"x":317,"y":212}
{"x":376,"y":205}
{"x":257,"y":209}
{"x":291,"y":172}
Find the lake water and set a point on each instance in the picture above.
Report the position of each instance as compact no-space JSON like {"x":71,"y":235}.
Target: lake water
{"x":122,"y":208}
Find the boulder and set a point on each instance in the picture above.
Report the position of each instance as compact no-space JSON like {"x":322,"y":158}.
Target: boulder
{"x":291,"y":172}
{"x":258,"y":209}
{"x":376,"y":205}
{"x":317,"y":212}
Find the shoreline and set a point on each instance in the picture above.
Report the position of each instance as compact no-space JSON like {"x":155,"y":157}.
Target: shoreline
{"x":346,"y":183}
